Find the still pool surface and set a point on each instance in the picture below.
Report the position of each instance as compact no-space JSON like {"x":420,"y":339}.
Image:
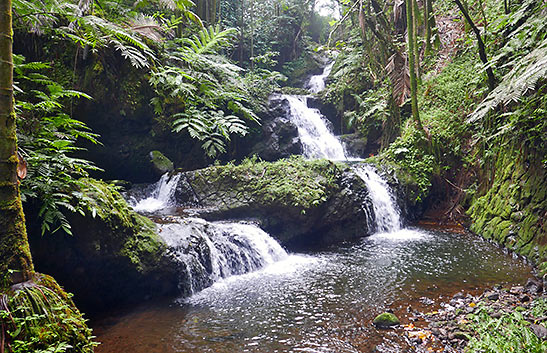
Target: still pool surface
{"x":320,"y":302}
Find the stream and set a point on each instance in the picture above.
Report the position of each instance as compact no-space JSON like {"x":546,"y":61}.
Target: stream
{"x":320,"y":302}
{"x":245,"y":293}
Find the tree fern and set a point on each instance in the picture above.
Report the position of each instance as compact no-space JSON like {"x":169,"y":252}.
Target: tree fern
{"x":524,"y":76}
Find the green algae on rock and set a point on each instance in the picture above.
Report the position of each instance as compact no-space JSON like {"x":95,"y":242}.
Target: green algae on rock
{"x":386,"y":320}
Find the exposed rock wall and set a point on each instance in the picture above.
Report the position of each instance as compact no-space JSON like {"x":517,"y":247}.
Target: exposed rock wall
{"x":514,"y":210}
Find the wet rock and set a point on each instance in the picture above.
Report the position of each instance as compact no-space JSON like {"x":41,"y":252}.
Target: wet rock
{"x":161,"y":164}
{"x":539,"y":330}
{"x":458,"y":335}
{"x":516,"y":290}
{"x":356,"y":145}
{"x":495,"y":315}
{"x":492,"y":296}
{"x":280,"y":138}
{"x":458,"y":295}
{"x":337,"y":209}
{"x":533,"y":286}
{"x":386,"y":320}
{"x":115,"y":258}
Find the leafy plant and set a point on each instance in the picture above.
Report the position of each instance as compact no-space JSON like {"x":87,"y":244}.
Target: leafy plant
{"x":509,"y":333}
{"x":37,"y":319}
{"x":206,"y":95}
{"x":47,"y":141}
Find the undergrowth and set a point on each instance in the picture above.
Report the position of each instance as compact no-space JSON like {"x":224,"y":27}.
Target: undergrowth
{"x":38,"y":318}
{"x":509,"y":333}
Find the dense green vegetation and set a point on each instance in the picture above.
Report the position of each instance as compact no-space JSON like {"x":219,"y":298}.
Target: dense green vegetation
{"x":450,"y":95}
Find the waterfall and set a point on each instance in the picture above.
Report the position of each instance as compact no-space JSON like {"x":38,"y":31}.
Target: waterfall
{"x":313,"y":128}
{"x":210,"y":251}
{"x":317,"y":82}
{"x":161,"y":196}
{"x":317,"y":139}
{"x":383,"y":201}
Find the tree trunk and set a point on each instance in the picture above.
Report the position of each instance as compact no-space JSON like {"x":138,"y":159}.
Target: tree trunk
{"x":427,"y":22}
{"x":251,"y":11}
{"x":14,"y":249}
{"x":481,"y":47}
{"x":415,"y":14}
{"x":241,"y":33}
{"x":412,"y":62}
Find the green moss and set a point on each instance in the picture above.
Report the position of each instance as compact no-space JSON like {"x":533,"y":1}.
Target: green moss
{"x":145,"y":247}
{"x":511,"y":211}
{"x":386,"y":320}
{"x":104,"y":201}
{"x":160,"y":162}
{"x":292,"y":182}
{"x":40,"y":316}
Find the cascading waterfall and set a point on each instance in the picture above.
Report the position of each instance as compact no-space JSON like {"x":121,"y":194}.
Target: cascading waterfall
{"x":313,"y":128}
{"x":387,"y":214}
{"x":210,"y":251}
{"x":317,"y":82}
{"x":161,"y":195}
{"x":317,"y":139}
{"x":319,"y":142}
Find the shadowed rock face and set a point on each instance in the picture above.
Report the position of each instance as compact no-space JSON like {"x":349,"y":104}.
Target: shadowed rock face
{"x":116,"y":257}
{"x":337,"y":207}
{"x":279,"y":135}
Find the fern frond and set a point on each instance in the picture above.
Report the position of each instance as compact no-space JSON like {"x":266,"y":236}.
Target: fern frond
{"x":524,"y":76}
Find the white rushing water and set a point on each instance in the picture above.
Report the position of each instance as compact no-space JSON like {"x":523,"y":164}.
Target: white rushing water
{"x":317,"y":82}
{"x":313,"y":128}
{"x":383,"y":201}
{"x":211,"y":251}
{"x":317,"y":139}
{"x":208,"y":251}
{"x":161,"y":196}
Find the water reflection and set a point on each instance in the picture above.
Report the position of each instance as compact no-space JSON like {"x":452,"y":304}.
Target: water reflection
{"x":317,"y":303}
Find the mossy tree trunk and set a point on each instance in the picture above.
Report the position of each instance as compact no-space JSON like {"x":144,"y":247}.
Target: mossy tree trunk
{"x":14,"y":249}
{"x":410,"y":18}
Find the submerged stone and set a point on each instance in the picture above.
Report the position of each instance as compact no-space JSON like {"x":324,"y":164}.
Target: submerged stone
{"x":386,"y":320}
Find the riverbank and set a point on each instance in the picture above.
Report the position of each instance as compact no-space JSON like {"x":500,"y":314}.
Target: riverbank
{"x":500,"y":319}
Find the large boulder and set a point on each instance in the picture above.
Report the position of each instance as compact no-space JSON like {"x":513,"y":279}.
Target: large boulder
{"x":114,"y":256}
{"x":279,"y":138}
{"x":299,"y":202}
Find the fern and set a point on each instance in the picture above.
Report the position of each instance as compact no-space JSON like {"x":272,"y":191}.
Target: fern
{"x":524,"y":76}
{"x":208,"y":40}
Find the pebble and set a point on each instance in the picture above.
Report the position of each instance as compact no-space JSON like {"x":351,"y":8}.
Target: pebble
{"x":449,"y":324}
{"x":539,"y":330}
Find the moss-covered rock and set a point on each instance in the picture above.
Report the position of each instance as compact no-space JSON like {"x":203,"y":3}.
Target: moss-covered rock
{"x":513,"y":211}
{"x":115,"y":255}
{"x":295,"y":200}
{"x":161,"y":163}
{"x":386,"y":320}
{"x":38,"y":315}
